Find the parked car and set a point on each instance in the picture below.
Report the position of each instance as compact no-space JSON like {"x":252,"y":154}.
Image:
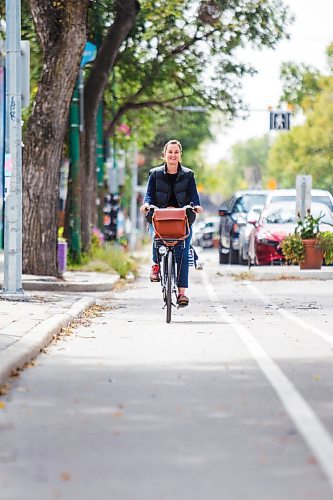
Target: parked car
{"x":209,"y":233}
{"x":317,"y":195}
{"x":276,"y":221}
{"x":245,"y":231}
{"x":197,"y":229}
{"x":233,"y":215}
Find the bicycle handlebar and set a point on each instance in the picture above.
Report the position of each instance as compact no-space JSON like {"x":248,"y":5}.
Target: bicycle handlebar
{"x":190,"y":206}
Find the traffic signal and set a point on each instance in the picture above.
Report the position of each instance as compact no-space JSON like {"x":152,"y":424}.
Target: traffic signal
{"x":279,"y":120}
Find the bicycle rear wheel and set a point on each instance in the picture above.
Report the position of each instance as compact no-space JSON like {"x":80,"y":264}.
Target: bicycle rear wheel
{"x":169,"y":286}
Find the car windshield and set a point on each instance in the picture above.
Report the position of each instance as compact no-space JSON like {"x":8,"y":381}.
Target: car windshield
{"x":325,"y":200}
{"x":286,"y":213}
{"x":280,"y":214}
{"x":246,"y":202}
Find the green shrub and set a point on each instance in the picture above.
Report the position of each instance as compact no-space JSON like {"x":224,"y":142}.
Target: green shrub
{"x":293,"y":248}
{"x":107,"y":258}
{"x":325,"y":243}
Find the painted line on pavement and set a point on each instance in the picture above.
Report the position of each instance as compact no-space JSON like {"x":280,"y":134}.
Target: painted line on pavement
{"x":286,"y":314}
{"x":310,"y":427}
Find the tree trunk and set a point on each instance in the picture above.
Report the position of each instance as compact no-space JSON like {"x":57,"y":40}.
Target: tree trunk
{"x":126,"y":11}
{"x":61,"y":27}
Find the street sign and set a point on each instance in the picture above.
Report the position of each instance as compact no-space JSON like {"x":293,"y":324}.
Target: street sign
{"x":303,"y":194}
{"x":279,"y":120}
{"x":89,"y":54}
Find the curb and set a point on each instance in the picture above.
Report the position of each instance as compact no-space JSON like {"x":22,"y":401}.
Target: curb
{"x":51,"y":284}
{"x":256,"y":274}
{"x":40,"y":286}
{"x":24,"y":350}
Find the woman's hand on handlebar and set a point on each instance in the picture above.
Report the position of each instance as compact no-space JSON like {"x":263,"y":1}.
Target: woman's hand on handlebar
{"x":197,"y":208}
{"x":144,"y":208}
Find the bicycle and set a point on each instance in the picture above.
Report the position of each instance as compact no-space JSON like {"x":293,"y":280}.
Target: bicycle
{"x":168,"y":234}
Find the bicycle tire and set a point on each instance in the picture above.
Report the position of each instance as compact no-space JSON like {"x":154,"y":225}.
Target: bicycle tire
{"x":169,"y":283}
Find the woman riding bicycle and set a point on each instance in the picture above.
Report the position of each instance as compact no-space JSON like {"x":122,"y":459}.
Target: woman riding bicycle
{"x":173,"y":185}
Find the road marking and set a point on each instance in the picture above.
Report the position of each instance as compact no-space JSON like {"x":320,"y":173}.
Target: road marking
{"x":310,"y":427}
{"x":320,"y":333}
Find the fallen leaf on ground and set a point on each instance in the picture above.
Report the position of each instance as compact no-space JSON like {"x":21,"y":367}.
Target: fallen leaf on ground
{"x":65,"y":476}
{"x":2,"y":404}
{"x":117,"y":414}
{"x":4,"y":389}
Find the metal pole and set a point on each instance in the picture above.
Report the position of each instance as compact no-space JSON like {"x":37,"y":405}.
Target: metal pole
{"x":13,"y":204}
{"x":74,"y":208}
{"x":134,"y":207}
{"x":100,"y":166}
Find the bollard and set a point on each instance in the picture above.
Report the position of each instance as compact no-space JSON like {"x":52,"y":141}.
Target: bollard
{"x":62,"y":256}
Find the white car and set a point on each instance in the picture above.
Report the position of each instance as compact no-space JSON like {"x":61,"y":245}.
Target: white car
{"x":317,"y":196}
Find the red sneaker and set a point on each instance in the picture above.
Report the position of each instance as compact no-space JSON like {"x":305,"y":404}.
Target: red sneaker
{"x":154,"y":273}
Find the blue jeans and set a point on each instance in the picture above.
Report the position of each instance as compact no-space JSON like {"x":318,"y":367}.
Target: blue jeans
{"x":181,"y":252}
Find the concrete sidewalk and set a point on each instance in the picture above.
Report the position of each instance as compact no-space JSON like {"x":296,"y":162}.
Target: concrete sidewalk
{"x":28,"y":326}
{"x":284,"y":272}
{"x":263,"y":273}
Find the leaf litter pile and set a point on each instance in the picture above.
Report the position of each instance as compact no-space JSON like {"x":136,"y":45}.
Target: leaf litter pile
{"x":84,"y":320}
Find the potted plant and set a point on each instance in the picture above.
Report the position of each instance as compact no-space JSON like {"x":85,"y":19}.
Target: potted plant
{"x":307,"y":246}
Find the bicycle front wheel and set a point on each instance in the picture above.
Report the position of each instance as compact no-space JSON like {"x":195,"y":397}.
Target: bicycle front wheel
{"x":169,"y":285}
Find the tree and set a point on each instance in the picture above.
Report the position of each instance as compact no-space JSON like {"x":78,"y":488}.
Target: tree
{"x":173,"y":52}
{"x":166,"y":61}
{"x":306,"y":149}
{"x":125,"y":14}
{"x":183,"y":53}
{"x":245,"y":170}
{"x":301,"y":84}
{"x":61,"y":29}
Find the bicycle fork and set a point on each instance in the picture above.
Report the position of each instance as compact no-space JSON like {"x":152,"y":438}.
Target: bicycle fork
{"x":165,"y":268}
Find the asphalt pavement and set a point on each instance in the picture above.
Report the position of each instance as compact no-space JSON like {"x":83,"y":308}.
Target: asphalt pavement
{"x":51,"y":303}
{"x":231,"y":401}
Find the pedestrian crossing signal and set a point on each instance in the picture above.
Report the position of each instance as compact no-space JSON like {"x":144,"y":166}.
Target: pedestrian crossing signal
{"x":279,"y":120}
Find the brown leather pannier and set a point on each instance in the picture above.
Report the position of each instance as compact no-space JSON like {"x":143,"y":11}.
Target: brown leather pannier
{"x":170,"y":223}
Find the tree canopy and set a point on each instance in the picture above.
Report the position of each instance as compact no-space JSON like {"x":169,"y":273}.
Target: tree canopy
{"x":183,"y":52}
{"x":308,"y":148}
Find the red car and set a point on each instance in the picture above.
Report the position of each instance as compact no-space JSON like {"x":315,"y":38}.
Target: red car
{"x":275,"y":222}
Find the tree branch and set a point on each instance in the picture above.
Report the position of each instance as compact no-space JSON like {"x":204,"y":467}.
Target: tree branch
{"x":166,"y":104}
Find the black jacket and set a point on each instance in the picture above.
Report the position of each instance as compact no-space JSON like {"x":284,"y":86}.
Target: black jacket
{"x":159,"y":189}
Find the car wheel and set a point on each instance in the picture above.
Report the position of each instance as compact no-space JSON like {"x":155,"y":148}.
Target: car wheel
{"x":241,"y":260}
{"x":233,"y":256}
{"x":223,"y":257}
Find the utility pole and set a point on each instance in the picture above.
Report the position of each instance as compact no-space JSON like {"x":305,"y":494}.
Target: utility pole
{"x":12,"y":288}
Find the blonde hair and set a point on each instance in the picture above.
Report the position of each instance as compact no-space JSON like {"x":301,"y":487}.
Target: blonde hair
{"x":172,"y":141}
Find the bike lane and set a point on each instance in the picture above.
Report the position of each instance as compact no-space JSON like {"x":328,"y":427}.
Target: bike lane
{"x":130,"y":407}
